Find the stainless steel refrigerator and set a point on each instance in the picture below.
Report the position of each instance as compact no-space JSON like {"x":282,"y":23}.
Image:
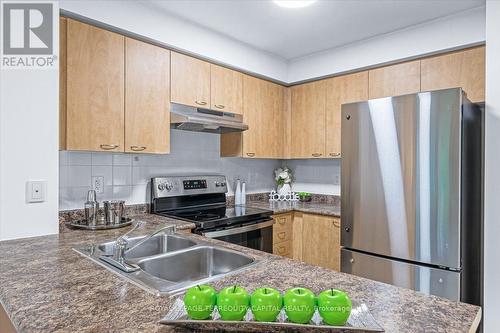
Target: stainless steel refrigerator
{"x":412,"y":192}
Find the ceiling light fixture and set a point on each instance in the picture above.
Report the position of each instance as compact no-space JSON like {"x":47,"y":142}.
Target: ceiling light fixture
{"x":294,"y":3}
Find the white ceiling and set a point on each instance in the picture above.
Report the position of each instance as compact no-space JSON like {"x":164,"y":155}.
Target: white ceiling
{"x":292,"y":33}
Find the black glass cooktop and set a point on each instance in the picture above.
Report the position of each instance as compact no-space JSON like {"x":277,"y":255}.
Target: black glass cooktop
{"x":217,"y":216}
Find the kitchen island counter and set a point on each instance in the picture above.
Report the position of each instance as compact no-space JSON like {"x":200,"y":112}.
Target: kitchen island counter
{"x":46,"y":286}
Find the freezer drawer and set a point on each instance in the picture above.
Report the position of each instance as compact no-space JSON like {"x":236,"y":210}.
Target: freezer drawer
{"x":428,"y":280}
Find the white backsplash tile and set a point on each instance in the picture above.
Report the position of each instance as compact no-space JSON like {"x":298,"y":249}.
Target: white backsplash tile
{"x":122,"y":175}
{"x":127,"y":176}
{"x":140,"y":194}
{"x":102,"y":159}
{"x":79,"y":158}
{"x":79,"y":175}
{"x":63,"y":157}
{"x":122,"y":159}
{"x":122,"y":193}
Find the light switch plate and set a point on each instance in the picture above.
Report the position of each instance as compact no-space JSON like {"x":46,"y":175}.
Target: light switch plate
{"x":35,"y":191}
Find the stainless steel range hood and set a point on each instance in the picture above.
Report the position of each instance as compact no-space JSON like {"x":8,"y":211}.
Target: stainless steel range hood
{"x":189,"y":118}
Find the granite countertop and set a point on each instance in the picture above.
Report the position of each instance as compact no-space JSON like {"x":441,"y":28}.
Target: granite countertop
{"x":279,"y":207}
{"x":46,"y":286}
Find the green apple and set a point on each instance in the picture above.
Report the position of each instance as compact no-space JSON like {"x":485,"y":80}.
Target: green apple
{"x":232,"y":303}
{"x":334,"y":306}
{"x":299,"y":305}
{"x":200,"y":301}
{"x":266,"y":304}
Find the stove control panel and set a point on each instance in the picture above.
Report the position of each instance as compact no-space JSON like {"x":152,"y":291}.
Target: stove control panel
{"x":194,"y":184}
{"x":171,"y":186}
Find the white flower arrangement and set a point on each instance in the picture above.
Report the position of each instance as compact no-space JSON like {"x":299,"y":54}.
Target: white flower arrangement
{"x":283,"y":176}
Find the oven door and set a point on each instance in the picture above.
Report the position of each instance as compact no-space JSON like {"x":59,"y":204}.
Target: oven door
{"x":258,"y":236}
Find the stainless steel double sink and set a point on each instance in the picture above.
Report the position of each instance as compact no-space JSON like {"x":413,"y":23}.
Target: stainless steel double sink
{"x":170,"y":263}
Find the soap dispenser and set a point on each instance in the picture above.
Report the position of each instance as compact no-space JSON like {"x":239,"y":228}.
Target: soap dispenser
{"x":237,"y":193}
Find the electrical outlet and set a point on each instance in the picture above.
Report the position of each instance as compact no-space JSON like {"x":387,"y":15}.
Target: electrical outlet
{"x":337,"y":180}
{"x":98,"y":184}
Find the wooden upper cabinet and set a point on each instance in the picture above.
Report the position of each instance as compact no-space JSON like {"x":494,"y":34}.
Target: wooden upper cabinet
{"x":190,"y":81}
{"x":263,"y":113}
{"x":321,"y":241}
{"x":95,"y":88}
{"x":464,"y":69}
{"x":339,"y":90}
{"x":226,"y":89}
{"x":400,"y":79}
{"x":308,"y":108}
{"x":147,"y":102}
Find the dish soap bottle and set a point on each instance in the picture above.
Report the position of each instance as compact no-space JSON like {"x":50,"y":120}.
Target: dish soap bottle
{"x":237,"y":193}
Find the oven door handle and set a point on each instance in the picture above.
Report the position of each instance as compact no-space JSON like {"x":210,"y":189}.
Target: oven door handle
{"x":227,"y":232}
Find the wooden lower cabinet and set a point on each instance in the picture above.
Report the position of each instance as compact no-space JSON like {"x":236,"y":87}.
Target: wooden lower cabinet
{"x":283,"y":235}
{"x":321,"y":241}
{"x":311,"y":238}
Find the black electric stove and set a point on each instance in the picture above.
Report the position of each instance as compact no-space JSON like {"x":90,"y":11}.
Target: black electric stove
{"x":202,"y":200}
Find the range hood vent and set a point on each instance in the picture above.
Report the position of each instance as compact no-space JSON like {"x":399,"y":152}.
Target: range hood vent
{"x":189,"y":118}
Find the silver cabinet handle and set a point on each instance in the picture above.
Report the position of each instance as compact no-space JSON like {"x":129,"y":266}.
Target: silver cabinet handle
{"x":137,"y":148}
{"x":316,"y":154}
{"x":109,"y":147}
{"x":219,"y":106}
{"x":200,"y":102}
{"x":334,"y":154}
{"x":251,"y":154}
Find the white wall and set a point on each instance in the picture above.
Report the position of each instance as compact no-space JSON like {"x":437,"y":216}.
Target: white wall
{"x":315,"y":175}
{"x":141,"y":19}
{"x":127,"y":176}
{"x":492,"y":165}
{"x":453,"y":31}
{"x":29,"y":127}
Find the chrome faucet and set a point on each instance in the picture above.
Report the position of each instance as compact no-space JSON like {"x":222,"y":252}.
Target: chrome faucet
{"x":120,"y":247}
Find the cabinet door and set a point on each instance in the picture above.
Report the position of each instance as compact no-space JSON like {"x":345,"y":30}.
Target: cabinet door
{"x":308,"y":120}
{"x":190,"y":83}
{"x":320,"y":241}
{"x":226,"y":89}
{"x":95,"y":88}
{"x":400,"y":79}
{"x":147,"y":103}
{"x":464,"y":69}
{"x":342,"y":89}
{"x":262,"y":112}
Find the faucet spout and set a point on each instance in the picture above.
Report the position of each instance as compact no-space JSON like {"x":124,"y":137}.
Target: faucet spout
{"x":120,"y":248}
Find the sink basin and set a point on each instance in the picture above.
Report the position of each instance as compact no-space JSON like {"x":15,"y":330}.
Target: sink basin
{"x":195,"y":264}
{"x":156,"y":245}
{"x":167,"y":264}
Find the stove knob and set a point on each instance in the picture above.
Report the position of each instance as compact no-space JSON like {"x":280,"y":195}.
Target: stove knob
{"x":223,"y":184}
{"x":161,"y":186}
{"x":218,"y":184}
{"x":169,"y":186}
